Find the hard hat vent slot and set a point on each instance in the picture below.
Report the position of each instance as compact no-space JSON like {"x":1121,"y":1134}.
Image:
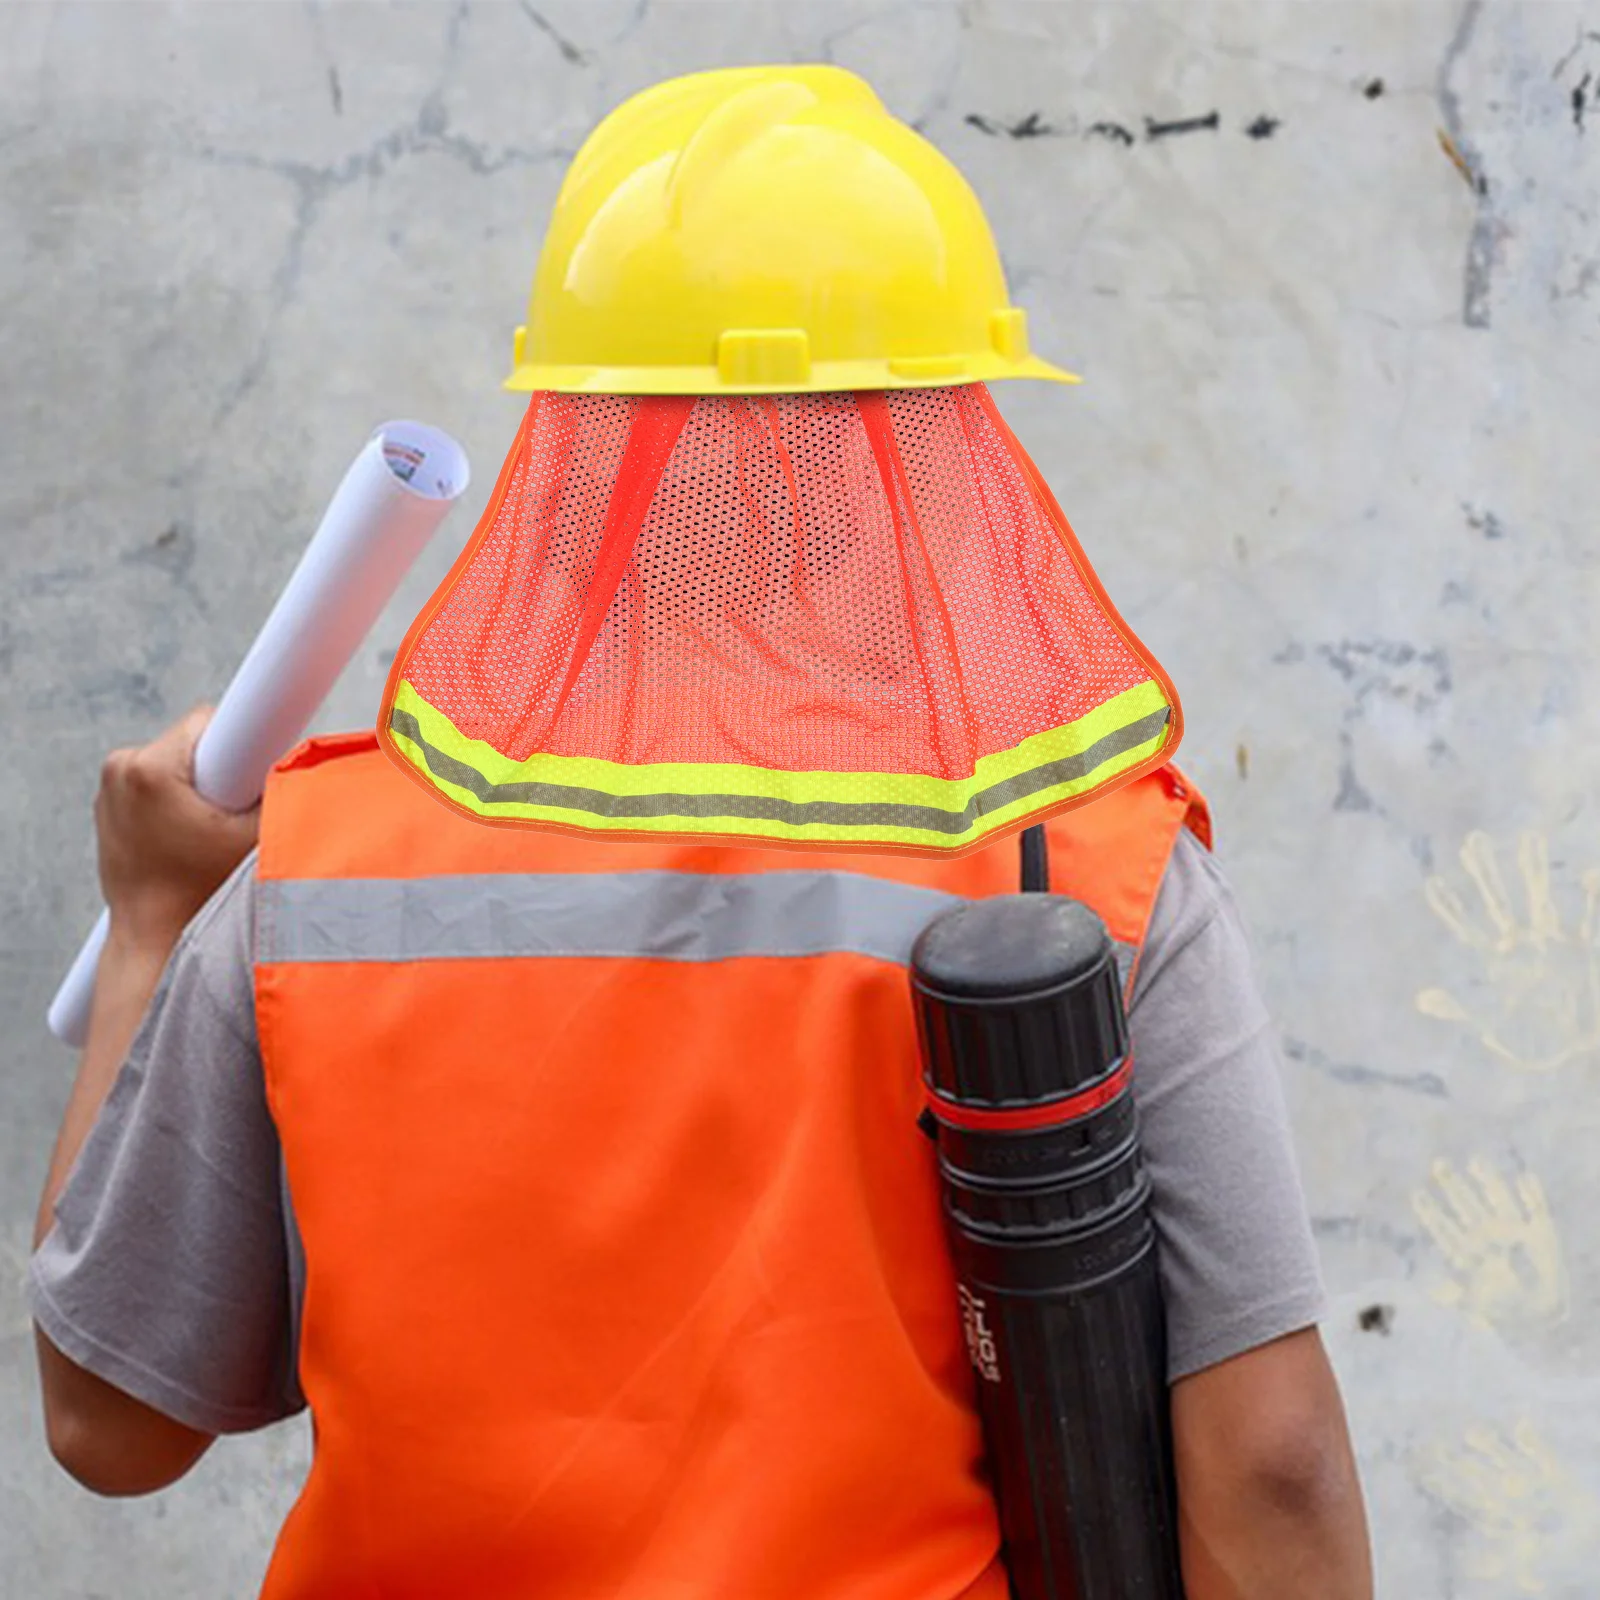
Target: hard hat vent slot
{"x":764,"y":356}
{"x":1008,"y":332}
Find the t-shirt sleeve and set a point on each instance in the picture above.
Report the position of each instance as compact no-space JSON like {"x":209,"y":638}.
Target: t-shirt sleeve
{"x":1238,"y":1262}
{"x":166,"y":1272}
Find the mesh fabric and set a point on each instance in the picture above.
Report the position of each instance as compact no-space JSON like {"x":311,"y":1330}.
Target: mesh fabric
{"x":859,"y":583}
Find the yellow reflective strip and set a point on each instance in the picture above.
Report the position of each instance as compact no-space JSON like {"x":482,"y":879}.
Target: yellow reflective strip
{"x":680,"y":825}
{"x":799,"y":788}
{"x":450,"y":761}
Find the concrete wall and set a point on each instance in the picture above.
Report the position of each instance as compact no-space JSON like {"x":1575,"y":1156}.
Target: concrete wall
{"x":1335,"y":459}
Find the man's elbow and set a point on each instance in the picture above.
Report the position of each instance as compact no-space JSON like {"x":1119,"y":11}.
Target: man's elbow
{"x":1298,"y":1468}
{"x":109,"y":1442}
{"x":114,"y":1466}
{"x":80,"y":1454}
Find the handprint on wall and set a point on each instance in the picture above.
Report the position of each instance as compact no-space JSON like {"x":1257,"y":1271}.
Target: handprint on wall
{"x":1499,"y":1240}
{"x":1531,"y":1519}
{"x":1537,"y":1004}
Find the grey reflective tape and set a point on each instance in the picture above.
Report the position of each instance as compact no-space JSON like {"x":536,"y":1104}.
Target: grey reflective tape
{"x":764,"y":808}
{"x":665,"y":916}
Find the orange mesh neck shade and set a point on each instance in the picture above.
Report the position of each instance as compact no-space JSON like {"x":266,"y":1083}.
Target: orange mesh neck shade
{"x":854,"y":619}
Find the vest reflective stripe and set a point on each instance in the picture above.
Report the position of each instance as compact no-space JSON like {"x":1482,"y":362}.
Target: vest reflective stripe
{"x":665,"y":916}
{"x":659,"y":916}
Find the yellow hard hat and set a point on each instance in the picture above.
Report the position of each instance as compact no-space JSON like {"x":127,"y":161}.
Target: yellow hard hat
{"x":766,"y":229}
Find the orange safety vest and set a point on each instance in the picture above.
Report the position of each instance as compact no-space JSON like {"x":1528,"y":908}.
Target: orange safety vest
{"x":625,"y":1271}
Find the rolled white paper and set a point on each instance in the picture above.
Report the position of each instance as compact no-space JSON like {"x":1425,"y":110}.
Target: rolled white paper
{"x":68,"y":1016}
{"x":393,"y":497}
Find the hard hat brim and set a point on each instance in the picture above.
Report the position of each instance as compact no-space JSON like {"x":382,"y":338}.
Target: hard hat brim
{"x":826,"y":377}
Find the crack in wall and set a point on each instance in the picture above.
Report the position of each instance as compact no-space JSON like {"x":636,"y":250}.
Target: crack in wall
{"x":1478,"y":273}
{"x":428,"y":133}
{"x":570,"y":53}
{"x":1429,"y":1084}
{"x":937,"y":100}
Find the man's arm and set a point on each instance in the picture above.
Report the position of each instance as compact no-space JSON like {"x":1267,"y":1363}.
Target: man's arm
{"x":1269,"y":1506}
{"x":1269,"y":1503}
{"x":163,"y":851}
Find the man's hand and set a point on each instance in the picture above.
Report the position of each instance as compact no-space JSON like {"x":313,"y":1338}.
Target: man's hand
{"x":163,"y":852}
{"x":163,"y":849}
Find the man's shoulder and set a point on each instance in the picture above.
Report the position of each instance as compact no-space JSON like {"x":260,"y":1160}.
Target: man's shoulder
{"x":1116,"y":852}
{"x":218,"y":949}
{"x":338,"y":806}
{"x":322,"y":748}
{"x":1193,"y":892}
{"x":1163,"y":802}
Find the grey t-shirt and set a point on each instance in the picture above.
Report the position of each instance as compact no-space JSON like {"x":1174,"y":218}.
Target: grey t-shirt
{"x":173,"y":1270}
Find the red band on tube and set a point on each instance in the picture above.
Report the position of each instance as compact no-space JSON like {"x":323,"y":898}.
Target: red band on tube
{"x":1028,"y":1119}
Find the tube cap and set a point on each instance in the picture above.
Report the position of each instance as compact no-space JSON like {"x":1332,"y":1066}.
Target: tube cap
{"x":1018,"y":1001}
